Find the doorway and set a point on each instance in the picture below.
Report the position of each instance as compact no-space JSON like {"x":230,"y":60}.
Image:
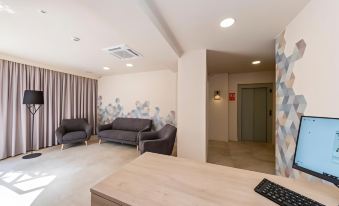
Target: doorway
{"x":255,"y":113}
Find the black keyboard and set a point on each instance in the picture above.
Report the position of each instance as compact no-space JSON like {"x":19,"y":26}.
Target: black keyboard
{"x":282,"y":195}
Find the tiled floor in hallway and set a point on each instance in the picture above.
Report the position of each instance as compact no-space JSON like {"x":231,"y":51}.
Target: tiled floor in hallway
{"x":250,"y":156}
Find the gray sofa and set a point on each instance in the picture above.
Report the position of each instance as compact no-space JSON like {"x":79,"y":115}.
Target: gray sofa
{"x":124,"y":130}
{"x":73,"y":131}
{"x":160,"y":142}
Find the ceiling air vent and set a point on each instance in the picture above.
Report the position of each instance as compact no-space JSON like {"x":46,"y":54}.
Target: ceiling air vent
{"x":123,"y":52}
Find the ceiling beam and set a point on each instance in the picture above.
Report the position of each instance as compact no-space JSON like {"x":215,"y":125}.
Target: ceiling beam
{"x":158,"y":21}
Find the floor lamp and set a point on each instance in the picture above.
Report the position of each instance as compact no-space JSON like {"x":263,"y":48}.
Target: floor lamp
{"x":33,"y":100}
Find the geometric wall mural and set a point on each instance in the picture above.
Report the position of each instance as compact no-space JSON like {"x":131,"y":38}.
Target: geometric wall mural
{"x":290,"y":106}
{"x":107,"y":113}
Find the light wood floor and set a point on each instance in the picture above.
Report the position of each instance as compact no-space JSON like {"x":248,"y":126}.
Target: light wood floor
{"x":65,"y":177}
{"x":250,"y":156}
{"x":60,"y":177}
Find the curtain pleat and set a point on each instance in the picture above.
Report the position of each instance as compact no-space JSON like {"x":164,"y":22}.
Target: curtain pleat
{"x":65,"y":96}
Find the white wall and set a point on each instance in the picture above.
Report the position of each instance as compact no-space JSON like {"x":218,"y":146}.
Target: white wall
{"x":243,"y":78}
{"x":318,"y":71}
{"x":315,"y":74}
{"x":157,"y":87}
{"x":218,"y":109}
{"x":192,"y":77}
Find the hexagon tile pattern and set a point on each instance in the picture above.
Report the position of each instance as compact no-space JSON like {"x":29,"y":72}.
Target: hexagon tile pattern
{"x":290,"y":106}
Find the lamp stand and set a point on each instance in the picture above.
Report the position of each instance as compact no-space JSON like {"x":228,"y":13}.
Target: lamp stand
{"x":32,"y":109}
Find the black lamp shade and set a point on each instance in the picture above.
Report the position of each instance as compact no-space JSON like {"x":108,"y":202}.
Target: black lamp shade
{"x":33,"y":97}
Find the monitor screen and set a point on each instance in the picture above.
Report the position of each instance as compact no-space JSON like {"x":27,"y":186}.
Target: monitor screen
{"x":317,"y":149}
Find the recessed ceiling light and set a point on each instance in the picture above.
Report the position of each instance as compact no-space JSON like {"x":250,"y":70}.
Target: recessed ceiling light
{"x":256,"y":62}
{"x":107,"y":68}
{"x":129,"y":65}
{"x":227,"y":22}
{"x":43,"y":11}
{"x":75,"y":38}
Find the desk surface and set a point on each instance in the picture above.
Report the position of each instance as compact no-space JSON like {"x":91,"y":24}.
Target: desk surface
{"x":156,"y":180}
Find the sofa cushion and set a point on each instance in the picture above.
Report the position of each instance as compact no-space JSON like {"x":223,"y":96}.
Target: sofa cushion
{"x":132,"y":124}
{"x":119,"y":135}
{"x":73,"y":125}
{"x":72,"y":136}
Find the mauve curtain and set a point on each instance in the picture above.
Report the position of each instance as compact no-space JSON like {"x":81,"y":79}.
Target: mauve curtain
{"x":65,"y":96}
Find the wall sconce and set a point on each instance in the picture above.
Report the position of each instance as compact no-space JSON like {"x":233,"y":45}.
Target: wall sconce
{"x":217,"y":95}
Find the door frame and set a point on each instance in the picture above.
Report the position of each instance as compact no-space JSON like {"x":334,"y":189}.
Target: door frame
{"x":252,"y":86}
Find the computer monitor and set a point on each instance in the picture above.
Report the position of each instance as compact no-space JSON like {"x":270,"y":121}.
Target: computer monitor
{"x":317,"y":149}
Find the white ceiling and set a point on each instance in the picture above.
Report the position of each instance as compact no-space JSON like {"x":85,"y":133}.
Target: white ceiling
{"x":195,"y":24}
{"x":46,"y":38}
{"x":159,"y":29}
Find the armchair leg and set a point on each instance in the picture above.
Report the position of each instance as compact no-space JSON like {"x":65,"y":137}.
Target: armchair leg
{"x":137,"y":147}
{"x":86,"y":143}
{"x":99,"y":141}
{"x":62,"y":146}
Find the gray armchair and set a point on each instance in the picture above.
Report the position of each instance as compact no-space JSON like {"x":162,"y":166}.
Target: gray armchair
{"x":160,"y":142}
{"x":72,"y":131}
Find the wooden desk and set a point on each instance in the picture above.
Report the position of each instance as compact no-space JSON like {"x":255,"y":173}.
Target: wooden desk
{"x":156,"y":180}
